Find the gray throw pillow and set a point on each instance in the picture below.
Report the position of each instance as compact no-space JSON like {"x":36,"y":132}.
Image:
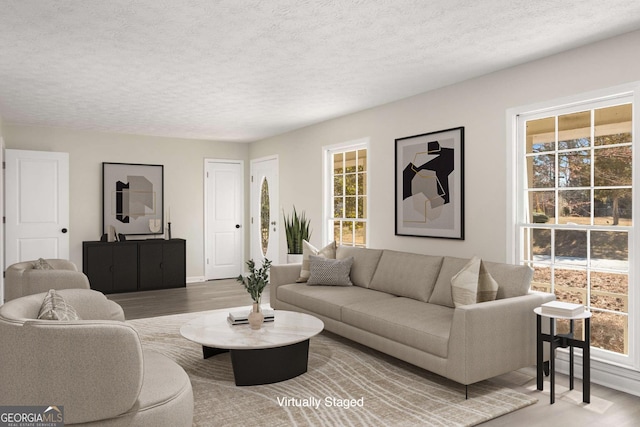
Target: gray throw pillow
{"x":54,"y":307}
{"x":329,"y":272}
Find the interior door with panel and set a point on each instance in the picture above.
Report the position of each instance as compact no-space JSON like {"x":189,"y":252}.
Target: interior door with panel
{"x":224,"y":214}
{"x":37,"y":205}
{"x":265,"y":210}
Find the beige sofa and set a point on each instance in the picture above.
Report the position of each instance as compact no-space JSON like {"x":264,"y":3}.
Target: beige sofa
{"x":23,"y":279}
{"x":401,"y":304}
{"x":95,"y":368}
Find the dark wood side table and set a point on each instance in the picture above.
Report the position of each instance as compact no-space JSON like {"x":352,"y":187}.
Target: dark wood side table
{"x":564,"y":341}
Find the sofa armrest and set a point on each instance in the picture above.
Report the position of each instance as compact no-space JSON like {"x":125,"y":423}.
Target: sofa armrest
{"x":93,"y":368}
{"x":36,"y":281}
{"x":62,"y":264}
{"x":89,"y":304}
{"x":92,"y":305}
{"x":281,"y":274}
{"x":492,"y":338}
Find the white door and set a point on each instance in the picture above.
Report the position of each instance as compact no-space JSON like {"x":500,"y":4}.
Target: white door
{"x":265,"y":210}
{"x":224,"y":213}
{"x":37,"y":205}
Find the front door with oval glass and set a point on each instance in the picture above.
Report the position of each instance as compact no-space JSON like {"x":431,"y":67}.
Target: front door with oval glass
{"x":265,"y":216}
{"x":264,"y":210}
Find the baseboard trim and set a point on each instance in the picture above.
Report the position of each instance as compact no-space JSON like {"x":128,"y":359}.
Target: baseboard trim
{"x":616,"y":377}
{"x":195,"y":279}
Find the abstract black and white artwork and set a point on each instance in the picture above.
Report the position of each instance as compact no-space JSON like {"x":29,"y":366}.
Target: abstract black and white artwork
{"x":133,"y":198}
{"x":429,"y":190}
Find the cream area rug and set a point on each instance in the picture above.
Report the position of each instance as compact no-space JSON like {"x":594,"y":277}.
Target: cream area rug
{"x":346,"y":385}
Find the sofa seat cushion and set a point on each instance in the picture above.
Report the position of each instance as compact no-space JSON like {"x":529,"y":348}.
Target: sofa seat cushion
{"x":406,"y":275}
{"x":417,"y":324}
{"x":327,"y":300}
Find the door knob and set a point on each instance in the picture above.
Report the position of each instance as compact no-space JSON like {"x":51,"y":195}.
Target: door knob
{"x":273,"y":223}
{"x":238,"y":226}
{"x":64,"y":230}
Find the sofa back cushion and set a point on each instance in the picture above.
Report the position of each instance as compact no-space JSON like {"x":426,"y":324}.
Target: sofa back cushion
{"x":513,"y":280}
{"x":365,"y":261}
{"x":406,"y":274}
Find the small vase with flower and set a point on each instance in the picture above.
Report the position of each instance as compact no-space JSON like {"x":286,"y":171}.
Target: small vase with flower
{"x":254,"y":283}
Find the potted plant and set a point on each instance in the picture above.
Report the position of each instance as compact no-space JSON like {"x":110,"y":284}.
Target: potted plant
{"x":297,"y":230}
{"x":255,"y":283}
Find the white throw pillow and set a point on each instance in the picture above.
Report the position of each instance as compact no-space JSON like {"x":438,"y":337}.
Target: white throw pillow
{"x":328,"y":251}
{"x":473,"y":284}
{"x":54,"y":307}
{"x":487,"y":285}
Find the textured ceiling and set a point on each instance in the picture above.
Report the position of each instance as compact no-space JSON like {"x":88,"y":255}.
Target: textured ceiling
{"x":242,"y":70}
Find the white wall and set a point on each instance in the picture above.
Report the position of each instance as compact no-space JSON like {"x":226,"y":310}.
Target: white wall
{"x":183,"y":161}
{"x":480,"y":106}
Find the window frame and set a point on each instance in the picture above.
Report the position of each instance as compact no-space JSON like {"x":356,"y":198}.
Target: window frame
{"x":327,"y":181}
{"x":517,"y":195}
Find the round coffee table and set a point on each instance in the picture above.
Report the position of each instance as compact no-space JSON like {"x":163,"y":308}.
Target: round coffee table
{"x":276,"y":352}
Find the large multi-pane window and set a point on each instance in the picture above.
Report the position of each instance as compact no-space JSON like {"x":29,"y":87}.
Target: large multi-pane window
{"x":347,"y":195}
{"x":575,"y":211}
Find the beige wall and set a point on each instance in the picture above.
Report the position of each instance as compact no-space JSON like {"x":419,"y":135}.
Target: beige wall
{"x":480,"y":106}
{"x":183,"y":161}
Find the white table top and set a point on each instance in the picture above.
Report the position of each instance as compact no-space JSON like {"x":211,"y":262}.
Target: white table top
{"x":213,"y":330}
{"x":584,"y":315}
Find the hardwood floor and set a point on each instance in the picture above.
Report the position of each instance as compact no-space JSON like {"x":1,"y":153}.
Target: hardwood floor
{"x":608,"y":407}
{"x":210,"y":295}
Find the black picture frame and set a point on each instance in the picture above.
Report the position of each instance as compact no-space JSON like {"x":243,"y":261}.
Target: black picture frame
{"x":133,"y":197}
{"x":429,"y":184}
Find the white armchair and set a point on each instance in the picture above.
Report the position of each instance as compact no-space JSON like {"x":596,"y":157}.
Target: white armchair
{"x":23,"y":279}
{"x":95,"y":368}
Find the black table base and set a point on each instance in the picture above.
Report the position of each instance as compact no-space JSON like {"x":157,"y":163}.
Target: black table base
{"x":564,"y":341}
{"x":267,"y":365}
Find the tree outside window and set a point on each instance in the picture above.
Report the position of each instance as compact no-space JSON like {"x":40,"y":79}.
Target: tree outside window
{"x":578,"y":214}
{"x":348,"y":217}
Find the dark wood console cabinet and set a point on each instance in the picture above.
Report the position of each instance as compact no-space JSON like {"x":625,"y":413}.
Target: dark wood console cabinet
{"x":135,"y":265}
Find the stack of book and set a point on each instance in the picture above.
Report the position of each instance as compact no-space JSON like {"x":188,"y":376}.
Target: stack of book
{"x":242,"y":317}
{"x":564,"y":309}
